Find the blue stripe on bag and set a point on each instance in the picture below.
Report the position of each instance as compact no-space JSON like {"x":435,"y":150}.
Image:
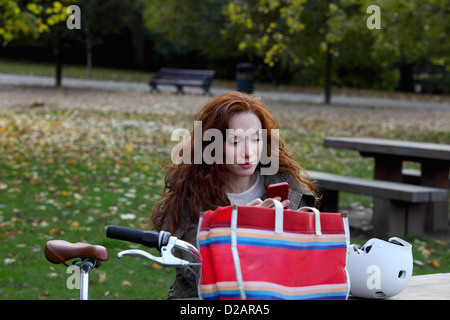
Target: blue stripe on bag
{"x":260,"y":294}
{"x":260,"y":242}
{"x":279,"y":296}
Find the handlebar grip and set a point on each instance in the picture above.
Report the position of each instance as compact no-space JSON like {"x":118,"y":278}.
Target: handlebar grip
{"x":147,"y":238}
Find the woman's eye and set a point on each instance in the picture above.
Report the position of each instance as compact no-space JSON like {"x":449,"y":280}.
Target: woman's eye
{"x":256,"y":138}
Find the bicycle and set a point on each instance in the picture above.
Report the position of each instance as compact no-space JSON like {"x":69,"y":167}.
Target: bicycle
{"x":91,"y":256}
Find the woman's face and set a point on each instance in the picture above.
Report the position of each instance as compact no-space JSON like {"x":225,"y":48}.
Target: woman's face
{"x":243,"y":144}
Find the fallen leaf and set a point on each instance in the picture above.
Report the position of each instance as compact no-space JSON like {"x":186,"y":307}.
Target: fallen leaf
{"x":127,"y":216}
{"x":13,"y":232}
{"x":75,"y":225}
{"x":434,"y":263}
{"x":44,"y":224}
{"x":156,"y":265}
{"x":128,"y":148}
{"x":126,"y":283}
{"x":419,"y":263}
{"x":35,"y":248}
{"x":55,"y":231}
{"x":102,"y":277}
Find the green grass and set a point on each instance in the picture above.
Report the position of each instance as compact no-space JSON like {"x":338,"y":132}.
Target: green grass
{"x":54,"y":189}
{"x":72,"y":71}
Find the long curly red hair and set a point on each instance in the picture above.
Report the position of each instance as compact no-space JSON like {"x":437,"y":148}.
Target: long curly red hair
{"x":193,"y":188}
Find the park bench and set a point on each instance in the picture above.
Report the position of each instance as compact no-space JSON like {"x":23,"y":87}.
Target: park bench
{"x":182,"y":77}
{"x":389,"y":156}
{"x":412,"y":176}
{"x":398,"y":208}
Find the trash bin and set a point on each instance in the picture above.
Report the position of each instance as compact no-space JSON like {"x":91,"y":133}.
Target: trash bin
{"x":244,"y":77}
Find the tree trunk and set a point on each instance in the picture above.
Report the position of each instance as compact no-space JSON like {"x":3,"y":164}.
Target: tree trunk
{"x":137,"y":28}
{"x":59,"y":58}
{"x":406,"y":77}
{"x":328,"y":75}
{"x":88,"y":52}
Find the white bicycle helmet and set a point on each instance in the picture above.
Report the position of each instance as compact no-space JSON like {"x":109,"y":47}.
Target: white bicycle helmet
{"x":379,"y":269}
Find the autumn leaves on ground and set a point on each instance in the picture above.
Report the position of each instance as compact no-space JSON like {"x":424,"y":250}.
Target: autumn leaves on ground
{"x":74,"y":161}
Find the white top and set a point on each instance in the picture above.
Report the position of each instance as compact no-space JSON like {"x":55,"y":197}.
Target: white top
{"x":255,"y":191}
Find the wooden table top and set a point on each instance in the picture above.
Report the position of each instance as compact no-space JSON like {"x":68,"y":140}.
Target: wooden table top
{"x":426,"y":287}
{"x":407,"y":149}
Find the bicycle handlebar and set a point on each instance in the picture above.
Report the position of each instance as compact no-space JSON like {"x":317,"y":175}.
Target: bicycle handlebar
{"x":162,"y":241}
{"x":150,"y":239}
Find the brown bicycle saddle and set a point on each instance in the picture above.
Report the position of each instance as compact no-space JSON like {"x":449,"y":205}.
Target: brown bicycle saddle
{"x":60,"y":251}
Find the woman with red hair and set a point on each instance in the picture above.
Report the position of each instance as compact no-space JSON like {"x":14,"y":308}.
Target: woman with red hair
{"x":239,"y":177}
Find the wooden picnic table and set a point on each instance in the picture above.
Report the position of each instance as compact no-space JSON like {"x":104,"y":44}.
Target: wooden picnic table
{"x":426,"y":287}
{"x":389,"y":156}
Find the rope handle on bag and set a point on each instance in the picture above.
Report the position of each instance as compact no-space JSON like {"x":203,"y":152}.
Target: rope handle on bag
{"x":316,"y":218}
{"x":279,"y":216}
{"x":279,"y":210}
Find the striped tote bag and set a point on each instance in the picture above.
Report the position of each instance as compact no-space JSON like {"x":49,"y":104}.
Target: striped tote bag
{"x":253,"y":252}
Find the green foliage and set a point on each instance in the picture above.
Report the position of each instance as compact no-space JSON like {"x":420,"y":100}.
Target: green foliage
{"x":297,"y":33}
{"x":189,"y":24}
{"x":269,"y":28}
{"x":32,"y":18}
{"x":414,"y":30}
{"x":292,"y":38}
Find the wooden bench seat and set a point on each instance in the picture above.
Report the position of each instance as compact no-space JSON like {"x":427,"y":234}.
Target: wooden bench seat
{"x":412,"y":176}
{"x":182,"y":77}
{"x":398,"y":208}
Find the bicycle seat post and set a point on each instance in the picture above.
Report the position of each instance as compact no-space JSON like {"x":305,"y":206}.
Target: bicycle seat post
{"x":85,"y":266}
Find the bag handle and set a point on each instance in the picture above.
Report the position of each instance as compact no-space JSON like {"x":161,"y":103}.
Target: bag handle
{"x":316,"y":218}
{"x":279,"y":213}
{"x":234,"y":252}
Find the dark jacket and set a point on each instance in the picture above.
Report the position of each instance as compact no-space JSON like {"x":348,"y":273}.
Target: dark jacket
{"x":185,"y":284}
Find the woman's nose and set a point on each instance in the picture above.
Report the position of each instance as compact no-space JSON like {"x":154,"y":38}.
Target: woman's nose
{"x":247,"y":150}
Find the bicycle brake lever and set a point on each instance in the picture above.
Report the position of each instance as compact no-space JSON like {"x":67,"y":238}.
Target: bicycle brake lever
{"x":167,"y":259}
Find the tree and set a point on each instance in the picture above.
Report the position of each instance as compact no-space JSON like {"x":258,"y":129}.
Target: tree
{"x":45,"y":21}
{"x":189,"y":24}
{"x":410,"y":31}
{"x":324,"y":34}
{"x":102,"y":18}
{"x":29,"y":18}
{"x":33,"y":19}
{"x":293,"y":33}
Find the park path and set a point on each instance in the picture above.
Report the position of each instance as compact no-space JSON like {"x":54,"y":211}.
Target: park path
{"x":15,"y":79}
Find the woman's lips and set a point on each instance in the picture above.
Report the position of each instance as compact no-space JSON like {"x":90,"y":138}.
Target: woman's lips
{"x":246,"y":165}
